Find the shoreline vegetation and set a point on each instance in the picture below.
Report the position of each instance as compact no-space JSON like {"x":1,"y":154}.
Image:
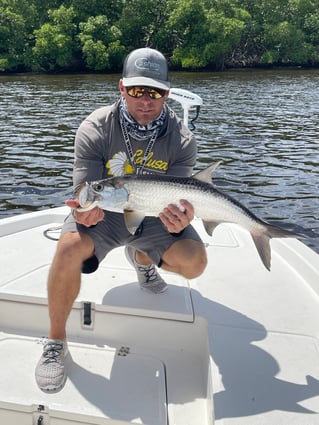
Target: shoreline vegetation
{"x":243,"y":70}
{"x":94,"y":36}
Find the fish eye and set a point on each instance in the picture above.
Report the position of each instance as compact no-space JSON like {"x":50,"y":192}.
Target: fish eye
{"x":98,"y":187}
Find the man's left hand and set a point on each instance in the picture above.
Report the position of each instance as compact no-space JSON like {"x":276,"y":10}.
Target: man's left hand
{"x":176,"y":218}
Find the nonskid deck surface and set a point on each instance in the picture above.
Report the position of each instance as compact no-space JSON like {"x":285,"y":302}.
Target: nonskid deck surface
{"x":261,"y":341}
{"x":103,"y":383}
{"x":139,"y":358}
{"x":263,"y":333}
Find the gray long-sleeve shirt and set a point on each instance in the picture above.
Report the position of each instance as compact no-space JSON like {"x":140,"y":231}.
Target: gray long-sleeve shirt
{"x":100,"y":149}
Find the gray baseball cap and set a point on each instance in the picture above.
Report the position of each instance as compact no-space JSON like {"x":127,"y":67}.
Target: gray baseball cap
{"x":146,"y":67}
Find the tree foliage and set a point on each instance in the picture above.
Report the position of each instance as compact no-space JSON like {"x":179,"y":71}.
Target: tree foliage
{"x":101,"y":43}
{"x":54,"y":41}
{"x":95,"y":35}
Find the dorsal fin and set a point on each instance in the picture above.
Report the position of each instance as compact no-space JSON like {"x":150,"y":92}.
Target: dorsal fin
{"x":206,"y":174}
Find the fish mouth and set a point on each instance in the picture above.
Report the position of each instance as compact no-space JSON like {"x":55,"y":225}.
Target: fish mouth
{"x":86,"y":198}
{"x":80,"y":193}
{"x":87,"y":207}
{"x":77,"y":189}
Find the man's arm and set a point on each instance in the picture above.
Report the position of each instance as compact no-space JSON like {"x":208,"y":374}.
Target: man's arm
{"x":89,"y":165}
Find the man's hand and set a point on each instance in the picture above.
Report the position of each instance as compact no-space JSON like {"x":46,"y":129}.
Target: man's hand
{"x":176,"y":218}
{"x":87,"y":218}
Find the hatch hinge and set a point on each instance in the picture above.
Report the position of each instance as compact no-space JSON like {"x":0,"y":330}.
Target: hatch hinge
{"x":40,"y":416}
{"x":123,"y":351}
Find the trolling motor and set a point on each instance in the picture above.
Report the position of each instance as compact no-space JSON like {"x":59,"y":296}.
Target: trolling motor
{"x":188,"y":100}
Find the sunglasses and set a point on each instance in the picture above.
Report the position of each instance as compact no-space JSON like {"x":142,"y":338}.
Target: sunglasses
{"x":137,"y":92}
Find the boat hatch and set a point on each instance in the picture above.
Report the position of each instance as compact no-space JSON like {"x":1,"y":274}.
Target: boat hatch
{"x":104,"y":385}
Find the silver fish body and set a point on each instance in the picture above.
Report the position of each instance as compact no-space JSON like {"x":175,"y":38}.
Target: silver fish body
{"x":148,"y":195}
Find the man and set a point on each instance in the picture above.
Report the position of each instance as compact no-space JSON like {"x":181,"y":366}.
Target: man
{"x":137,"y":134}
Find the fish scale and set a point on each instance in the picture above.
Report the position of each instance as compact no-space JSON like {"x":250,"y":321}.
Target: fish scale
{"x":147,"y":195}
{"x":152,"y":197}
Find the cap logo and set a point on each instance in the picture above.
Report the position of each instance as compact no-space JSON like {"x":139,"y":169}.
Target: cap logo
{"x":146,"y":65}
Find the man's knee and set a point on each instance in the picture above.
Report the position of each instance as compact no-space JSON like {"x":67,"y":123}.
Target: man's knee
{"x":196,"y":265}
{"x":74,"y":246}
{"x":186,"y":257}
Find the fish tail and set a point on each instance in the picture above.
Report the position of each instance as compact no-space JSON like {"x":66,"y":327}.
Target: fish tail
{"x":262,"y":238}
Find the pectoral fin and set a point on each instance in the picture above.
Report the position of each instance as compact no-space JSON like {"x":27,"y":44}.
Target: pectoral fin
{"x":133,"y":219}
{"x":210,"y":226}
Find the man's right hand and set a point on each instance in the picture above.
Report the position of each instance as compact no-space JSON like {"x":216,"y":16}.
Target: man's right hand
{"x":87,"y":218}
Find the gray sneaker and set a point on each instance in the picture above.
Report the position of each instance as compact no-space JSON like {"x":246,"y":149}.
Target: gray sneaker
{"x":50,"y":372}
{"x":147,"y":276}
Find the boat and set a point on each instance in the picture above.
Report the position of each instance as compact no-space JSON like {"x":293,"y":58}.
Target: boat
{"x":236,"y":346}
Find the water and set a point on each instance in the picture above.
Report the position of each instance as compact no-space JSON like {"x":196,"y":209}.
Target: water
{"x":263,"y":125}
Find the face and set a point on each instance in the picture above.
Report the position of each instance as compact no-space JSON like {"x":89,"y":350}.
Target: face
{"x":143,"y":109}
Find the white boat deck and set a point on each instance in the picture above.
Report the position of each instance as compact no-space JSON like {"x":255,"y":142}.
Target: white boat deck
{"x":238,"y":334}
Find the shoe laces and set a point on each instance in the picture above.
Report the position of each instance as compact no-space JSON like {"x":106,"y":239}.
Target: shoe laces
{"x":52,"y":352}
{"x":149,"y":272}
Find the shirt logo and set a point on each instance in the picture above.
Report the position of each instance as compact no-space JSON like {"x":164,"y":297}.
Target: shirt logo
{"x":119,"y":164}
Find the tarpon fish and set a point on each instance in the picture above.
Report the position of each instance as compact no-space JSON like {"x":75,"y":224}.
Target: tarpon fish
{"x":147,"y":195}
